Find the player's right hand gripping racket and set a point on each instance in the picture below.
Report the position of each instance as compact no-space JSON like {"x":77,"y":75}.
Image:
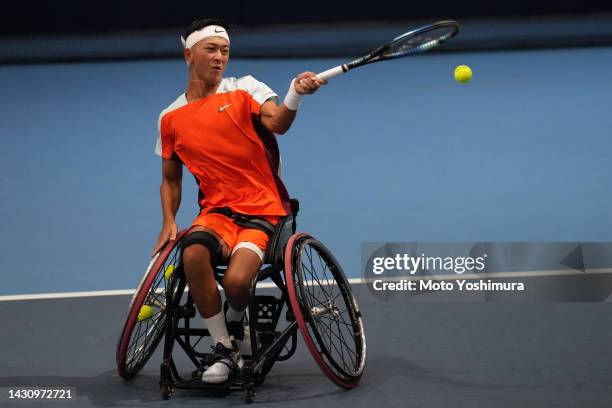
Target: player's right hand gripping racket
{"x":412,"y":42}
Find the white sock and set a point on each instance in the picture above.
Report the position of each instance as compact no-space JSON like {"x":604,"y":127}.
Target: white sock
{"x":218,"y":330}
{"x":233,"y":315}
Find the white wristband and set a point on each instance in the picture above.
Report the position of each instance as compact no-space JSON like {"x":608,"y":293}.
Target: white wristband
{"x":293,"y":99}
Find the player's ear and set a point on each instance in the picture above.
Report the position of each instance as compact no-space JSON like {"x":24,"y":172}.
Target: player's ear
{"x":188,"y":56}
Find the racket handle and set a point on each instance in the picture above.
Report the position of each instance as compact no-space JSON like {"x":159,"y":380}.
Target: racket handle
{"x":330,"y":73}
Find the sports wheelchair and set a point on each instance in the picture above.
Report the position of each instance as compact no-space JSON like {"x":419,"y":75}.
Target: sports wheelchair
{"x":318,"y":299}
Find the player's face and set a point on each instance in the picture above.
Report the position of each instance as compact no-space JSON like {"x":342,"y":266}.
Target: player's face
{"x":210,"y":58}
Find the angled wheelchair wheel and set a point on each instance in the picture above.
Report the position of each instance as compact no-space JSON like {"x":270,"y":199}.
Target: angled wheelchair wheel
{"x":325,"y":309}
{"x":145,"y":324}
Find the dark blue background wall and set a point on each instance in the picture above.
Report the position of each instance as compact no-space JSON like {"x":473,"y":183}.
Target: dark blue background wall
{"x":75,"y":16}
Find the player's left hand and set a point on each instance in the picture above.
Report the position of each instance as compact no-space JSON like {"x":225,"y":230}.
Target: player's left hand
{"x":308,"y":83}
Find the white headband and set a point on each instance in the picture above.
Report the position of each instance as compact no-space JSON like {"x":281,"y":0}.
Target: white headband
{"x":208,"y":31}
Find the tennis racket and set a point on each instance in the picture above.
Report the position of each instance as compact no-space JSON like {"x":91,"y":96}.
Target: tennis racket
{"x":412,"y":42}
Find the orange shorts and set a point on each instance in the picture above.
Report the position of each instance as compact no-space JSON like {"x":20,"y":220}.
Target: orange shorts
{"x":233,"y":234}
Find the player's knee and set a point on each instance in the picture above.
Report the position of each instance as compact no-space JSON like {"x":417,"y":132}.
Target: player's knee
{"x":236,"y":285}
{"x":195,"y":255}
{"x":201,"y":247}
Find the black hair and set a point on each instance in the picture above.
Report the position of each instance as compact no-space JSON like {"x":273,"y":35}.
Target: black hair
{"x":200,"y":24}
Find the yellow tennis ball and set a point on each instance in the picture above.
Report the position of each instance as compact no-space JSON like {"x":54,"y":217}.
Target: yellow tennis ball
{"x":145,"y":313}
{"x":463,"y":74}
{"x":168,"y":272}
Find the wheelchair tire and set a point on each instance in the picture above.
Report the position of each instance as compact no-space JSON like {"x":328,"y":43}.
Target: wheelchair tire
{"x":325,"y":309}
{"x":145,"y":324}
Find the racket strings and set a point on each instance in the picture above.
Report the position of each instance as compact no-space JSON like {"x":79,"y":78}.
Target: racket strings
{"x":411,"y":44}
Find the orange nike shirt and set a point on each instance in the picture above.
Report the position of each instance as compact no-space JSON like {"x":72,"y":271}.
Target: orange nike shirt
{"x":233,"y":158}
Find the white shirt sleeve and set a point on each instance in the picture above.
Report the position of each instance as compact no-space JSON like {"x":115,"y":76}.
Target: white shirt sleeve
{"x":158,"y":146}
{"x":180,"y":101}
{"x":258,"y":90}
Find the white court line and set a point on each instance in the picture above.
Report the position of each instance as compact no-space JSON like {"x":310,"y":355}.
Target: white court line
{"x":119,"y":292}
{"x":352,"y":281}
{"x":65,"y":295}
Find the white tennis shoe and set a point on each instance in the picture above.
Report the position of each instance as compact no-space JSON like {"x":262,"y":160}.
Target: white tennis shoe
{"x":224,"y":362}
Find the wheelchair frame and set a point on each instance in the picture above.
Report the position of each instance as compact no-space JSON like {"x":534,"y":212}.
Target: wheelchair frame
{"x":268,"y":345}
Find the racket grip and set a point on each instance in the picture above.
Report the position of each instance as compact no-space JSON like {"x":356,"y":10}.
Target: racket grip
{"x":330,"y":73}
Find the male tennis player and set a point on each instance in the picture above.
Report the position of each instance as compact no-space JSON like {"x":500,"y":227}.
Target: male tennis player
{"x":222,"y":130}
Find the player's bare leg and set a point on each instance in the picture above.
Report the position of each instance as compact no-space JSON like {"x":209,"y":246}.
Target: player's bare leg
{"x":200,"y":275}
{"x":203,"y":289}
{"x":242,"y":270}
{"x":238,"y":280}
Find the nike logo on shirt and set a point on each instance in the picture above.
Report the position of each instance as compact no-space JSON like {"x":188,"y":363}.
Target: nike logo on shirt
{"x":222,"y":108}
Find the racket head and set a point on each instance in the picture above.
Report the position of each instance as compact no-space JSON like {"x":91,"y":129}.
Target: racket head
{"x":411,"y":42}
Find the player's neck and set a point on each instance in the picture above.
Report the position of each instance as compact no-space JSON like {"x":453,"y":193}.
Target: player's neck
{"x":198,"y":89}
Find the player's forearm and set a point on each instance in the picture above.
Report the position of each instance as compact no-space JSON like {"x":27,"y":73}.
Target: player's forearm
{"x":170,"y":192}
{"x":282,"y":120}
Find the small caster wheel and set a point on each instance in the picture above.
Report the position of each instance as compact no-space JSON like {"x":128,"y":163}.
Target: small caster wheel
{"x":166,"y":391}
{"x":249,"y":393}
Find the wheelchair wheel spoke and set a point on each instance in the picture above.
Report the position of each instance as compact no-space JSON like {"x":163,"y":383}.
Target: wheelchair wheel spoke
{"x":327,"y":280}
{"x":144,"y":334}
{"x":148,"y":323}
{"x":312,"y":283}
{"x":327,"y":345}
{"x":140,"y":333}
{"x":348,"y":347}
{"x":346,"y":311}
{"x":339,"y":322}
{"x":313,"y":287}
{"x":138,"y":349}
{"x":314,"y":300}
{"x":314,"y":276}
{"x":134,"y":343}
{"x":340,"y":352}
{"x":331,"y":342}
{"x":308,"y":288}
{"x":342,"y":318}
{"x":325,"y":324}
{"x":148,"y":339}
{"x":339,"y":336}
{"x":313,"y":279}
{"x":341,"y":348}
